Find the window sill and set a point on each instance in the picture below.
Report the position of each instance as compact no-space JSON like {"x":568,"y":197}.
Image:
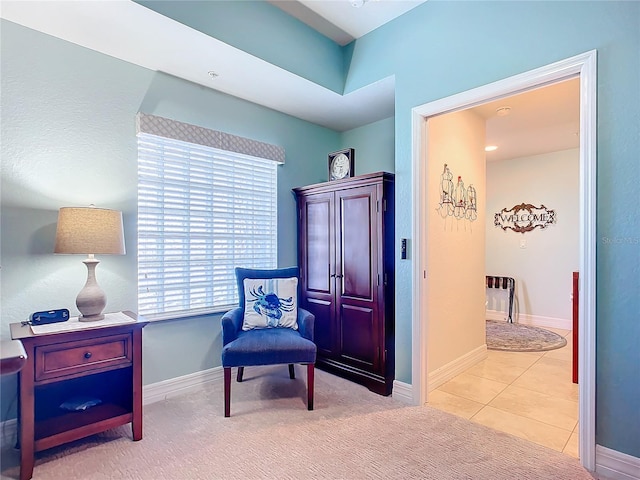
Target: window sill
{"x":170,"y":316}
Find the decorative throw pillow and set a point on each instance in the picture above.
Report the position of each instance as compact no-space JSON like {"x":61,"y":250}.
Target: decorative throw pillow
{"x":270,"y":303}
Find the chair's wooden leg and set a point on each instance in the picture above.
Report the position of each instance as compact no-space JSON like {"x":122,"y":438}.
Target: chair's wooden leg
{"x":310,"y":374}
{"x":240,"y":373}
{"x":227,"y":391}
{"x":292,"y":372}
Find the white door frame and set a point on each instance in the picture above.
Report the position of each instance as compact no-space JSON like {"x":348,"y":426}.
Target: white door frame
{"x":584,"y":66}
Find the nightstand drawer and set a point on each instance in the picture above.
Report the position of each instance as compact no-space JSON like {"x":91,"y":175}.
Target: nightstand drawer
{"x":72,"y":358}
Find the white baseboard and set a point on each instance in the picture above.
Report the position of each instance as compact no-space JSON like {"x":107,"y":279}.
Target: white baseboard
{"x":535,"y":320}
{"x":455,"y":367}
{"x":9,"y":430}
{"x":402,"y":391}
{"x":614,"y":465}
{"x":156,"y":392}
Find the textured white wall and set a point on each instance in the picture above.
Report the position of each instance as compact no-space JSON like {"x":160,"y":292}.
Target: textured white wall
{"x":455,"y":248}
{"x":543,"y":269}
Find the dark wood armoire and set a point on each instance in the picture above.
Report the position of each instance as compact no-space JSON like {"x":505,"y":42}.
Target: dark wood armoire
{"x":346,"y":257}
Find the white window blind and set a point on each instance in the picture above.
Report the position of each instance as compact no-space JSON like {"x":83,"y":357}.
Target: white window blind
{"x":202,"y":211}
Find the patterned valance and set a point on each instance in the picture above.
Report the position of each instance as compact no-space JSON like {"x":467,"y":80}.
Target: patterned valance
{"x":185,"y":132}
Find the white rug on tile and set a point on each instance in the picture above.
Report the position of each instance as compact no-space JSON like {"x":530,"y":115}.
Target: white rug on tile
{"x":513,"y":337}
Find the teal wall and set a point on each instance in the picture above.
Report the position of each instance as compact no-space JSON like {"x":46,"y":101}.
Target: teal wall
{"x":264,"y":31}
{"x":69,"y":139}
{"x":443,"y":48}
{"x":67,"y":118}
{"x":374,"y":145}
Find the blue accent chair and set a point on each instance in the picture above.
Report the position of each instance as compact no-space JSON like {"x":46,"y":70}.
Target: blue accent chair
{"x":268,"y":346}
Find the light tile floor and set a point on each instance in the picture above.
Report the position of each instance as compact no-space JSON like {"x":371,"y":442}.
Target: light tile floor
{"x":526,"y":394}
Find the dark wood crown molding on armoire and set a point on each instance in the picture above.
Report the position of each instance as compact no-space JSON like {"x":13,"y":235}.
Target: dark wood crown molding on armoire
{"x":346,"y":234}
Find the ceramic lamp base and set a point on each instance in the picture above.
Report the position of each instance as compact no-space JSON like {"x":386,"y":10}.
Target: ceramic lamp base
{"x":91,"y":300}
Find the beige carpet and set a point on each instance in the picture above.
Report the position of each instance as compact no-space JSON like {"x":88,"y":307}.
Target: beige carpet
{"x":352,"y":434}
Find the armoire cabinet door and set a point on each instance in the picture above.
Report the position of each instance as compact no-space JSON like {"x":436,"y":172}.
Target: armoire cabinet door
{"x":357,"y":277}
{"x":317,"y":234}
{"x":346,"y":258}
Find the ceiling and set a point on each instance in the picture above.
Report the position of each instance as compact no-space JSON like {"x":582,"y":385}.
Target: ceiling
{"x":543,"y":119}
{"x":131,"y":32}
{"x":345,"y":20}
{"x":538,"y":121}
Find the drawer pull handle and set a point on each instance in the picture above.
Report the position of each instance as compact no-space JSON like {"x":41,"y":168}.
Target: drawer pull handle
{"x":87,"y":355}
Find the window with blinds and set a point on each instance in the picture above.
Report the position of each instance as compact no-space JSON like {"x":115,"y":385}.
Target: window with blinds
{"x":202,"y":211}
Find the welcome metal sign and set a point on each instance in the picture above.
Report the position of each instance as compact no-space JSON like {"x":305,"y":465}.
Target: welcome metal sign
{"x":524,"y":218}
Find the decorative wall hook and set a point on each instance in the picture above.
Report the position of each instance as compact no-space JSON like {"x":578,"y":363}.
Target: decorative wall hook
{"x":458,"y":201}
{"x":446,"y":192}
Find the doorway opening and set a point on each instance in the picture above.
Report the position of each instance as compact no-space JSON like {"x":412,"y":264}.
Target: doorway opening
{"x":584,"y":67}
{"x":523,"y":386}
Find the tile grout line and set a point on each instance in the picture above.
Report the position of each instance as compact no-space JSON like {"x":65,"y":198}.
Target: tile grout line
{"x":525,"y":438}
{"x":522,"y":416}
{"x":487,"y":404}
{"x":534,"y":419}
{"x":566,"y":443}
{"x":484,"y":405}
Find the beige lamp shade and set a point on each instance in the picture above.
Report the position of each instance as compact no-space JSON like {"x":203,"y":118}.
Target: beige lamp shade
{"x":89,"y":230}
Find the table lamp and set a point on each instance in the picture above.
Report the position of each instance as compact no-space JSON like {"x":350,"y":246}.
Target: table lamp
{"x":90,"y":230}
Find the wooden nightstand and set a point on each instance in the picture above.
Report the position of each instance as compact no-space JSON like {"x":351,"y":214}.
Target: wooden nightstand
{"x":103,"y":362}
